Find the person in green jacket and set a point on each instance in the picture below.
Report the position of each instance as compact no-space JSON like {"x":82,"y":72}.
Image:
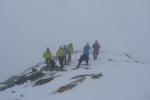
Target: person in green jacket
{"x":61,"y":54}
{"x":70,"y":51}
{"x":48,"y":59}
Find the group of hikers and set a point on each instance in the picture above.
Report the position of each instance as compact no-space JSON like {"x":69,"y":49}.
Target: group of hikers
{"x":64,"y":55}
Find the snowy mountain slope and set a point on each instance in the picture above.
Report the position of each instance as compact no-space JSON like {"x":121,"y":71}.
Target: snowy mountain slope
{"x":123,"y":78}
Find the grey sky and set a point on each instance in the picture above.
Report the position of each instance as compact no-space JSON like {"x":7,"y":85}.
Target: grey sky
{"x":29,"y":26}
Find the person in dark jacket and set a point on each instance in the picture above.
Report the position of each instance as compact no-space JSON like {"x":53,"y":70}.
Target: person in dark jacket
{"x":70,"y":51}
{"x":86,"y":50}
{"x":66,"y":53}
{"x":85,"y":55}
{"x":96,"y":46}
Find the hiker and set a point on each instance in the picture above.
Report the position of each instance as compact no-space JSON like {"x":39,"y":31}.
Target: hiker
{"x":70,"y":51}
{"x":60,"y":54}
{"x":96,"y":46}
{"x":48,"y":59}
{"x":66,"y":53}
{"x":85,"y":55}
{"x":86,"y":50}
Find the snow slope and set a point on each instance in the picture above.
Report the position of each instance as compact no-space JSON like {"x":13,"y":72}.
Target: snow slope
{"x":124,"y":78}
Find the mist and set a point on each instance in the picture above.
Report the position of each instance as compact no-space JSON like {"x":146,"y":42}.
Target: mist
{"x":29,"y":26}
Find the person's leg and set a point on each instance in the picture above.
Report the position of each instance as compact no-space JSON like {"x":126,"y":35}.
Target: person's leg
{"x":80,"y":61}
{"x":65,"y":61}
{"x":69,"y":56}
{"x":61,"y":62}
{"x":47,"y":62}
{"x":97,"y":53}
{"x":86,"y":60}
{"x":94,"y":55}
{"x":52,"y":64}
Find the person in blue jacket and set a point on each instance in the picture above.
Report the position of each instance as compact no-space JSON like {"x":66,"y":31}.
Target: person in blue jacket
{"x":86,"y":50}
{"x":85,"y":55}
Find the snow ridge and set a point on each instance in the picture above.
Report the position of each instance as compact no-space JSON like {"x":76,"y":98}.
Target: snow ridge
{"x":112,"y":76}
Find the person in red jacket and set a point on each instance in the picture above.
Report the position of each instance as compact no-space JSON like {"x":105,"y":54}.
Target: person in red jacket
{"x":96,"y":46}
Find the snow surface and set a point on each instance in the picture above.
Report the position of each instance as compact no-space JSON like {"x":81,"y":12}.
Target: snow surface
{"x":123,"y":78}
{"x":27,"y":27}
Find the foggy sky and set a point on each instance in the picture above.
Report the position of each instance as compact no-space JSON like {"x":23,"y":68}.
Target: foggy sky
{"x":27,"y":27}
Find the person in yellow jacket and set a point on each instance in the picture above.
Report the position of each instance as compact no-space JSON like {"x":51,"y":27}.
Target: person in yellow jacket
{"x":48,"y":59}
{"x":70,"y":51}
{"x":61,"y":54}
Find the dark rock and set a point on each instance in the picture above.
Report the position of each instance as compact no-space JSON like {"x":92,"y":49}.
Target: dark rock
{"x":11,"y":81}
{"x":136,"y":61}
{"x":127,"y":55}
{"x":70,"y":86}
{"x":65,"y":88}
{"x":34,"y":70}
{"x":36,"y":76}
{"x":96,"y":76}
{"x":17,"y":80}
{"x":21,"y":95}
{"x":5,"y":87}
{"x":13,"y":92}
{"x":43,"y":81}
{"x":22,"y":79}
{"x":31,"y":77}
{"x":110,"y":59}
{"x":80,"y":76}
